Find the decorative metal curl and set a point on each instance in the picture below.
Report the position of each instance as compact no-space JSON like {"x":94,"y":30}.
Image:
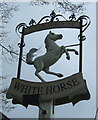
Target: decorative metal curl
{"x":43,"y":19}
{"x":52,"y":17}
{"x":72,"y":17}
{"x":19,"y":27}
{"x":19,"y":44}
{"x":83,"y":37}
{"x":32,"y":22}
{"x":85,"y":25}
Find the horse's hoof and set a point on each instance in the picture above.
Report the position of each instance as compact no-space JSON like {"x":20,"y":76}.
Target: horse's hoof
{"x":76,"y":52}
{"x":60,"y":75}
{"x":68,"y":58}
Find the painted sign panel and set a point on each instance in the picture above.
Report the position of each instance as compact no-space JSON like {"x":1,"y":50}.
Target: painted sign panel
{"x":51,"y":25}
{"x":61,"y":91}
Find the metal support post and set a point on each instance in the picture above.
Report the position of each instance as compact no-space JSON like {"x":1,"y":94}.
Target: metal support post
{"x":47,"y":110}
{"x":80,"y":59}
{"x":20,"y":55}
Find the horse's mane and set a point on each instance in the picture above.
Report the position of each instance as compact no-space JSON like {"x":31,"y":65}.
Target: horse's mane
{"x":46,"y":41}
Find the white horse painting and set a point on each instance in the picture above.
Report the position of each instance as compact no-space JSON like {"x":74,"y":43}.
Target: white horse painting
{"x":53,"y":54}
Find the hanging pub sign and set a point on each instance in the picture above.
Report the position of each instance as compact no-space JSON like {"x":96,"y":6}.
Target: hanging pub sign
{"x":70,"y":89}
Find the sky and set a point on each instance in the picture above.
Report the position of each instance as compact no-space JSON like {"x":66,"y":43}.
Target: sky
{"x":84,"y":109}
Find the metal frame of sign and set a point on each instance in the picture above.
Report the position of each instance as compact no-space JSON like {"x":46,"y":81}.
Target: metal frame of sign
{"x":72,"y":23}
{"x":48,"y":94}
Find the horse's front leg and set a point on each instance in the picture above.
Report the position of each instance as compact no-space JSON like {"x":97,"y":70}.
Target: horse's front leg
{"x":65,"y":51}
{"x":46,"y":70}
{"x":73,"y":50}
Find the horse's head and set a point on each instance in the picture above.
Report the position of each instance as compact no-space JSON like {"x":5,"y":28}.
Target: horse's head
{"x":54,"y":36}
{"x":50,"y":40}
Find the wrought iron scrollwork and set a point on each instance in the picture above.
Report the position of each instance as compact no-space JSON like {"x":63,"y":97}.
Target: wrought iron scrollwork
{"x":32,"y":22}
{"x":52,"y":17}
{"x":86,"y":22}
{"x":18,"y":30}
{"x":19,"y":44}
{"x":83,"y":37}
{"x":72,"y":17}
{"x":56,"y":17}
{"x":19,"y":27}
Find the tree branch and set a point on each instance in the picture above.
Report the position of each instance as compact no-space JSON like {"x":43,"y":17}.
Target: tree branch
{"x":8,"y":50}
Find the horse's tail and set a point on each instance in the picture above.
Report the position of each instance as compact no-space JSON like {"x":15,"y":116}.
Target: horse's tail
{"x":30,"y":55}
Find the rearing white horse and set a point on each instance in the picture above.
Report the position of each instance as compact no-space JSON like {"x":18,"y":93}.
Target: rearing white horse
{"x":53,"y":54}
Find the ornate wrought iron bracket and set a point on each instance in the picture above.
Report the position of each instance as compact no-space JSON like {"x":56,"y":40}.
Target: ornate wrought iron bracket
{"x":53,"y":21}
